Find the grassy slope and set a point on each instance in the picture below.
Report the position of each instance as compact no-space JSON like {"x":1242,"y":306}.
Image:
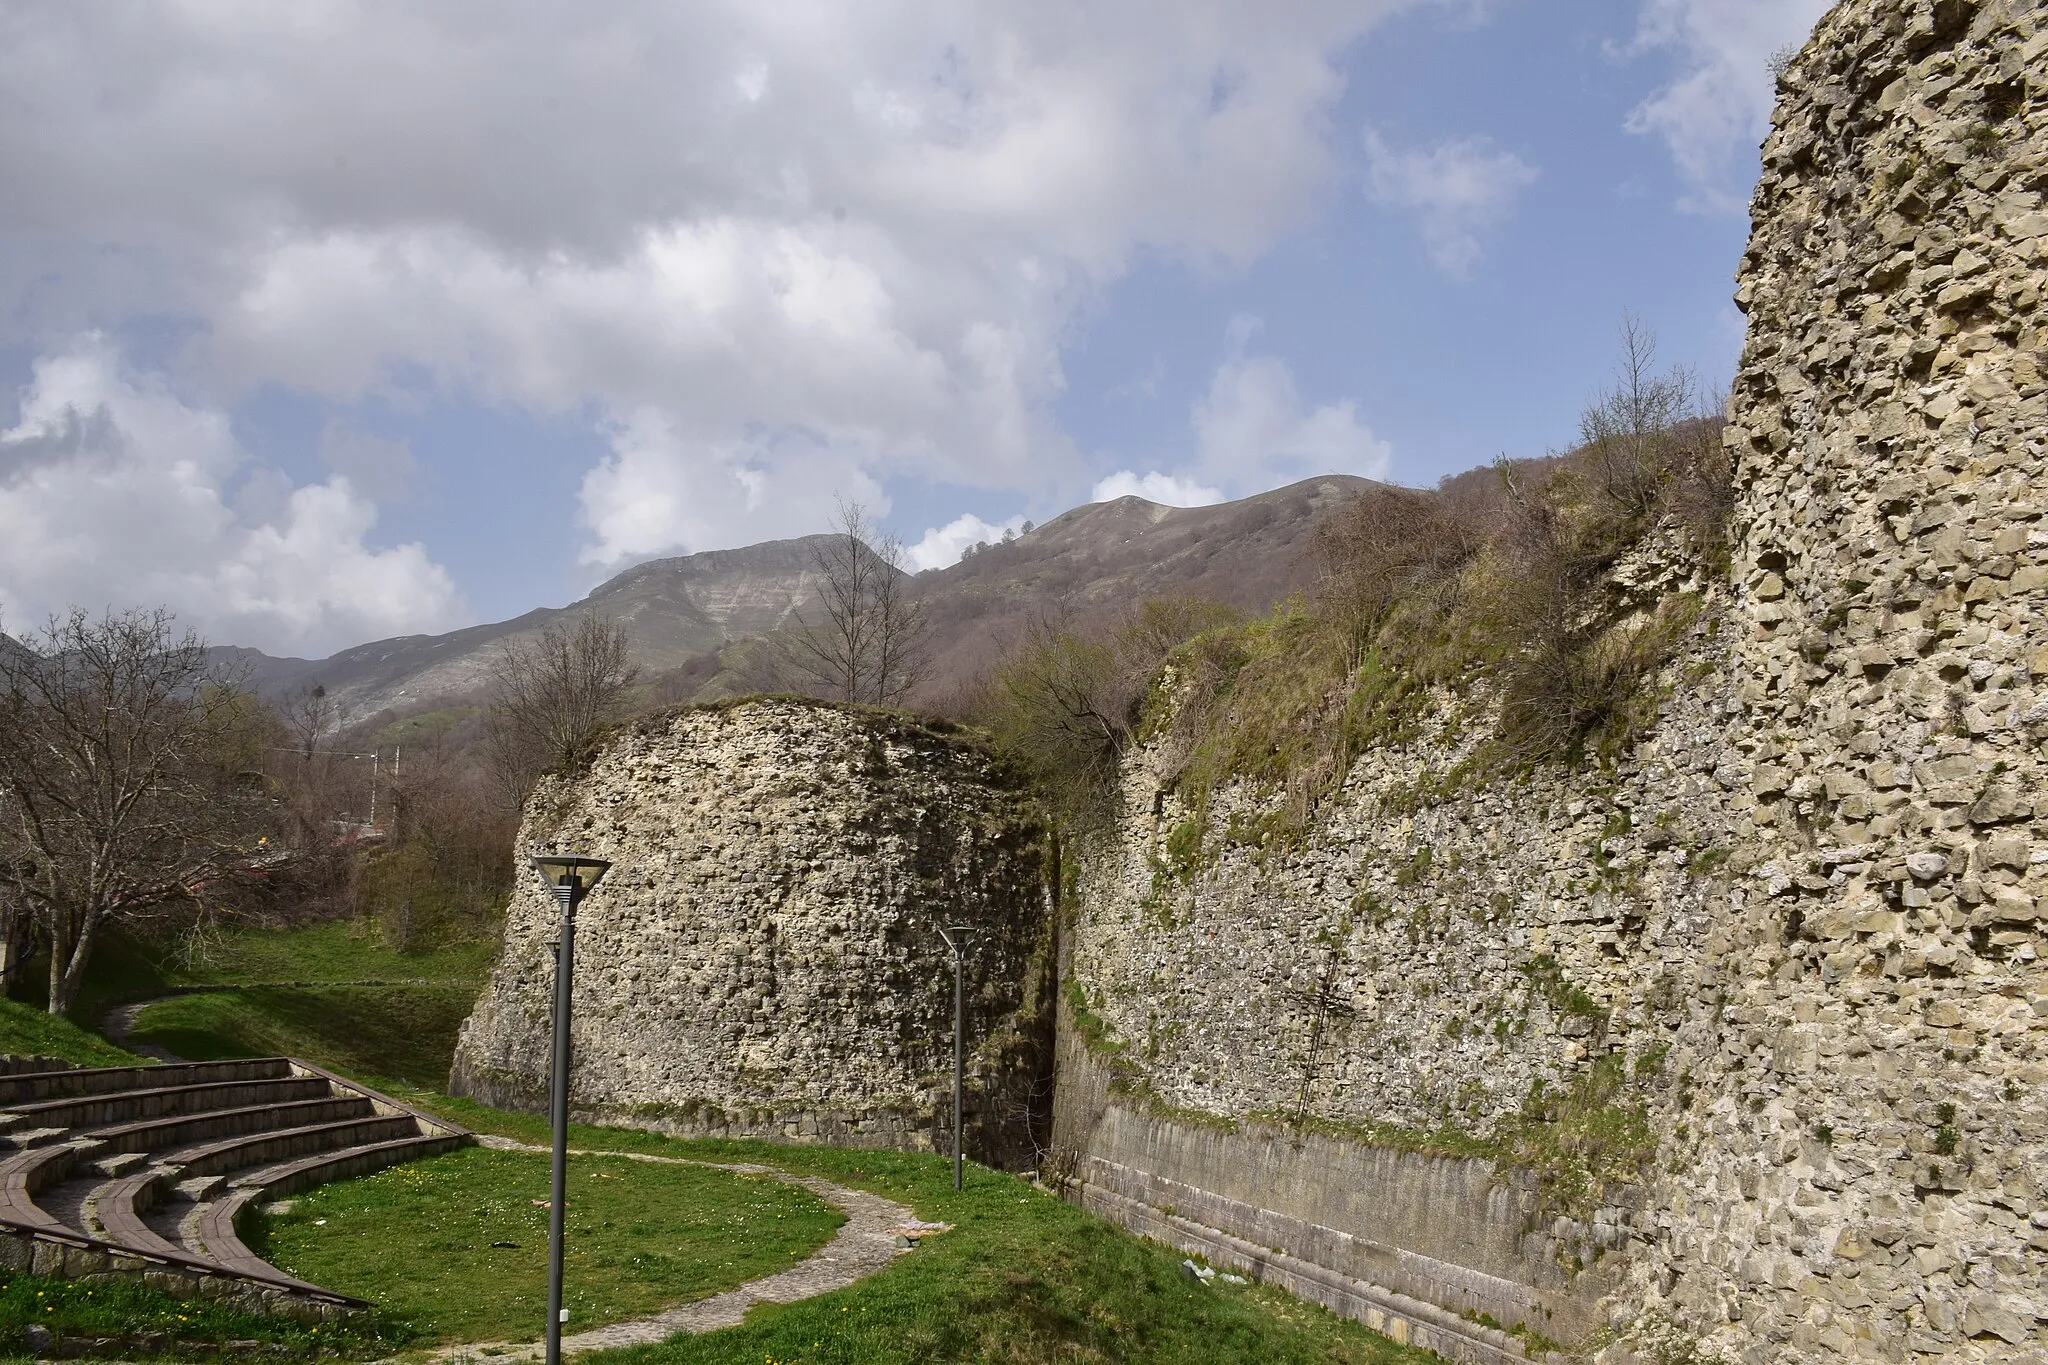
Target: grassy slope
{"x":422,"y":1240}
{"x":26,"y":1031}
{"x":336,"y":951}
{"x":1022,"y":1278}
{"x":124,"y":968}
{"x":397,"y":1033}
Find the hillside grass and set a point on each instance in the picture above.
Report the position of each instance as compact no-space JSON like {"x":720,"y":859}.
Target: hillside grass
{"x":127,"y":967}
{"x":337,"y":951}
{"x":27,"y":1031}
{"x":455,"y":1248}
{"x":382,"y":1033}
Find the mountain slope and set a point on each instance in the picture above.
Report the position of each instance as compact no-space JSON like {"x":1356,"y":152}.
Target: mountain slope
{"x":1108,"y":556}
{"x":674,"y":610}
{"x":684,"y":613}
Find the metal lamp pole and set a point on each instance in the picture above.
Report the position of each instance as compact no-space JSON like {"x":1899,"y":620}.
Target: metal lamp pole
{"x":570,"y":878}
{"x":959,"y":947}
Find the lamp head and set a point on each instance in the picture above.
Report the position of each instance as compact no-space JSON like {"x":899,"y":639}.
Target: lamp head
{"x":571,"y":870}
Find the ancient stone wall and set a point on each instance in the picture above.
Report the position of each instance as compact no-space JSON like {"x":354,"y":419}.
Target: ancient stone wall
{"x":763,"y":958}
{"x":1795,"y":934}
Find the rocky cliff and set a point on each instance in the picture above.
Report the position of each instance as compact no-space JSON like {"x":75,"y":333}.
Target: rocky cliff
{"x":763,"y":958}
{"x":1744,"y":1030}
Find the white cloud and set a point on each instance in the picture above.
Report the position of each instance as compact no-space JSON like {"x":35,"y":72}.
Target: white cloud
{"x":669,"y":483}
{"x":1716,"y":110}
{"x":1155,"y":487}
{"x":943,"y":545}
{"x":769,"y":248}
{"x":115,"y":491}
{"x":1456,"y":190}
{"x":1253,"y":432}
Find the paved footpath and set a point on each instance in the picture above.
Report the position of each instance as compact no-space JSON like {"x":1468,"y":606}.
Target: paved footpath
{"x":865,"y":1243}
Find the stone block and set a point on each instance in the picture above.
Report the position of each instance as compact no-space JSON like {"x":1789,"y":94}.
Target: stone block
{"x":2002,"y":803}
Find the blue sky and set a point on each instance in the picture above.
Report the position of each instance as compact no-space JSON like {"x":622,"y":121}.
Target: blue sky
{"x":336,"y":321}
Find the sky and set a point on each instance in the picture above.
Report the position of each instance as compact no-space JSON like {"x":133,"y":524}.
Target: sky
{"x":332,"y":321}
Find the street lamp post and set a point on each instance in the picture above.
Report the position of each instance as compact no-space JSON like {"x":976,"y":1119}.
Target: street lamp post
{"x":571,"y":878}
{"x":956,"y":939}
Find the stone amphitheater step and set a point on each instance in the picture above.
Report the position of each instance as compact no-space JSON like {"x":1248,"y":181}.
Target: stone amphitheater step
{"x":29,"y":1087}
{"x":35,"y":1121}
{"x":165,"y":1161}
{"x":112,"y":1207}
{"x":151,"y":1135}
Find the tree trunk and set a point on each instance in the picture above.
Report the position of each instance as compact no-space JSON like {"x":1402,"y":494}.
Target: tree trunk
{"x":69,"y":955}
{"x":14,"y":935}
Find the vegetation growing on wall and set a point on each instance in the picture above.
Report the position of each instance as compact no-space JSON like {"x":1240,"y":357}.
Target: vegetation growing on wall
{"x":1493,"y":591}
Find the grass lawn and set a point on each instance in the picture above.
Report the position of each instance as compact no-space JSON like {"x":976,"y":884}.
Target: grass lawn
{"x":74,"y":1308}
{"x":398,"y":1033}
{"x":455,"y":1248}
{"x":26,"y":1031}
{"x":1023,"y":1278}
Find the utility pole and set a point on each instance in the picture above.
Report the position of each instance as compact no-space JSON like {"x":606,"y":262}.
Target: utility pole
{"x":956,"y":939}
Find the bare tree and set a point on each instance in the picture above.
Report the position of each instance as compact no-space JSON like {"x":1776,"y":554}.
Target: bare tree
{"x":552,"y":698}
{"x":308,"y":715}
{"x":17,"y":933}
{"x":1627,"y":432}
{"x":112,"y":800}
{"x":447,"y":864}
{"x":868,"y":641}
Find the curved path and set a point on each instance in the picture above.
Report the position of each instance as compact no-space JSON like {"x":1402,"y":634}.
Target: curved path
{"x":865,"y":1243}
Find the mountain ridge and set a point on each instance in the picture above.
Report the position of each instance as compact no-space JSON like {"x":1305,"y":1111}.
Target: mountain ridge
{"x":685,"y":610}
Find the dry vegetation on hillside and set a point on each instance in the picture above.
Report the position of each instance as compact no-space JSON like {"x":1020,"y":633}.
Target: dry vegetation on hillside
{"x":1498,"y":579}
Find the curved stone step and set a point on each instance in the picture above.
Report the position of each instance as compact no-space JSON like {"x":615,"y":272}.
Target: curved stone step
{"x":214,"y":1232}
{"x":284,"y":1144}
{"x":34,"y":1086}
{"x":26,"y":1174}
{"x":155,"y":1135}
{"x":92,"y":1111}
{"x":115,"y":1211}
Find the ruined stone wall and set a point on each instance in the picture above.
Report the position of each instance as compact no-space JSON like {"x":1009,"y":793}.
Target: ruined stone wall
{"x":1796,"y":931}
{"x":1473,"y":944}
{"x":762,"y":958}
{"x":1875,"y":1174}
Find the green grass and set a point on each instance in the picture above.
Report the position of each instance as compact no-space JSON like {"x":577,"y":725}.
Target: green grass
{"x":127,"y":968}
{"x":75,"y":1308}
{"x":26,"y":1031}
{"x":337,"y":951}
{"x":400,"y":1033}
{"x":1022,"y":1278}
{"x":417,"y":1240}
